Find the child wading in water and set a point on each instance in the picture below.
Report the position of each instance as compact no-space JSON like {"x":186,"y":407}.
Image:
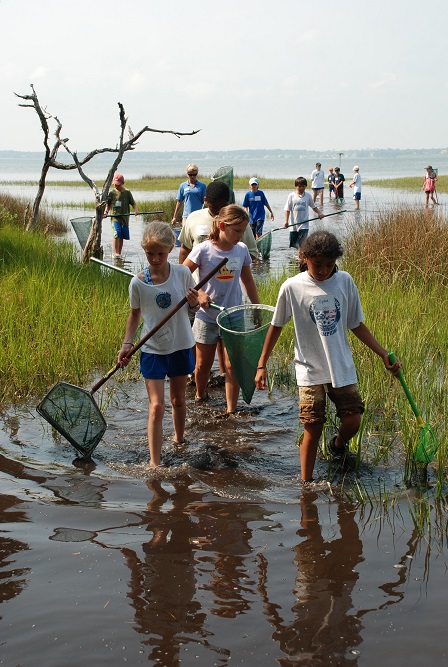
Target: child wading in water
{"x":323,"y":303}
{"x":153,"y":292}
{"x":224,"y":289}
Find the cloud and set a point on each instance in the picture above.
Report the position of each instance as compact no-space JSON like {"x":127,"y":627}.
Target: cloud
{"x":38,"y":73}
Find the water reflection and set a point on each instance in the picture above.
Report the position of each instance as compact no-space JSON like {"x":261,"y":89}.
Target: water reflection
{"x":195,"y":548}
{"x":323,"y":631}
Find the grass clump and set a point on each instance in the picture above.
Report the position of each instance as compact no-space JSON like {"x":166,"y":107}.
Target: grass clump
{"x":60,"y":319}
{"x":19,"y":211}
{"x":410,"y":183}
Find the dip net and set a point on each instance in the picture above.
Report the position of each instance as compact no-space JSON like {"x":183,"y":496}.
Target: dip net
{"x":244,"y":329}
{"x":82,"y":227}
{"x":73,"y":412}
{"x":225,"y":175}
{"x":264,"y":244}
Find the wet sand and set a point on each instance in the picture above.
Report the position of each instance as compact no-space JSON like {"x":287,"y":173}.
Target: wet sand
{"x":219,"y":558}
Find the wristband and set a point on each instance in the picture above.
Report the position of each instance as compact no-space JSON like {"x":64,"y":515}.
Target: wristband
{"x":127,"y":344}
{"x":261,"y":368}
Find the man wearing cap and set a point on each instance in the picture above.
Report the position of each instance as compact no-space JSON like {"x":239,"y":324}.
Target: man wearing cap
{"x":317,"y":183}
{"x":191,"y":192}
{"x":330,"y":182}
{"x":119,"y":203}
{"x":356,"y":184}
{"x":254,"y":203}
{"x":339,"y":185}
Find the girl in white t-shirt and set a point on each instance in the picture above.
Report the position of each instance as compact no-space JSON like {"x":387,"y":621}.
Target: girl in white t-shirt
{"x":224,"y":289}
{"x":169,"y":353}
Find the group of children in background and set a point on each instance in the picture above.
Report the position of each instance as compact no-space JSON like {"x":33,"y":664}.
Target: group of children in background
{"x":322,"y":301}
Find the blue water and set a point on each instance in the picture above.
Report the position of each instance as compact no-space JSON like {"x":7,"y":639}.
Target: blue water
{"x":374,"y":164}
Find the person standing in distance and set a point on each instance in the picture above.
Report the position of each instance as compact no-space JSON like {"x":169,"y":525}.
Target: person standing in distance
{"x":429,"y":185}
{"x":339,"y":185}
{"x":119,"y":204}
{"x":317,"y":183}
{"x":191,"y":193}
{"x":356,"y":184}
{"x":330,"y":182}
{"x":254,"y":203}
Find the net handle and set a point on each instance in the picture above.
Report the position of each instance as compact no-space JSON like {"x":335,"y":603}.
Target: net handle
{"x":158,"y":326}
{"x":126,"y":215}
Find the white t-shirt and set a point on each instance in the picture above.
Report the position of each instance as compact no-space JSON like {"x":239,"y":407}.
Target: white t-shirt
{"x":155,"y":302}
{"x":357,"y":182}
{"x":196,"y":228}
{"x":224,"y":288}
{"x":298,"y":205}
{"x":322,"y":313}
{"x":317,"y":178}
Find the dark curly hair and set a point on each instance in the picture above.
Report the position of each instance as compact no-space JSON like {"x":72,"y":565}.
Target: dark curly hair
{"x":319,"y":244}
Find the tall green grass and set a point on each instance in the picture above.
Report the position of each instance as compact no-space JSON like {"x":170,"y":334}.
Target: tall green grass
{"x":411,"y":183}
{"x":60,"y":319}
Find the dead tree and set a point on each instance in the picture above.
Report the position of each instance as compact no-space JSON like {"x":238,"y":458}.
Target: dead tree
{"x":93,"y":245}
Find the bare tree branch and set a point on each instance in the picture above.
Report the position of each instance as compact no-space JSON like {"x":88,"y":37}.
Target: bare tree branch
{"x":50,"y":160}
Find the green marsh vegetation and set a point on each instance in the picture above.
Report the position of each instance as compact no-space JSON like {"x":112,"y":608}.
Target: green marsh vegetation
{"x":60,"y":319}
{"x":412,"y":183}
{"x":167,"y":183}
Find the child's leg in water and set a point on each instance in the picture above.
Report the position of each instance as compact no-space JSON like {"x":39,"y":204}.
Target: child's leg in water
{"x":308,"y":449}
{"x":205,"y":355}
{"x":178,"y":406}
{"x":156,"y":410}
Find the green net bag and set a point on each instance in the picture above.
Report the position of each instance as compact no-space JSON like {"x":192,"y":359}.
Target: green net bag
{"x":225,"y":175}
{"x":244,"y":329}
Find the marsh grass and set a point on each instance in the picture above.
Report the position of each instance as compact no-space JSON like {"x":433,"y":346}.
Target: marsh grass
{"x":17,"y":209}
{"x":60,"y":319}
{"x":411,"y":183}
{"x":166,"y":183}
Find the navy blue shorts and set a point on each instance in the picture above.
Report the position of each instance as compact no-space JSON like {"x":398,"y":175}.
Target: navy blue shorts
{"x":160,"y":366}
{"x":357,"y":196}
{"x":120,"y":231}
{"x":297,"y":238}
{"x":257,"y":226}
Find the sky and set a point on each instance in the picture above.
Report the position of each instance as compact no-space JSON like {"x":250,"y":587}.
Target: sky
{"x":250,"y":75}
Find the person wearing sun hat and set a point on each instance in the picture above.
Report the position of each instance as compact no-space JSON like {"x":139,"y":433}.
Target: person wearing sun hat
{"x":429,"y":184}
{"x":119,"y":204}
{"x":356,"y":184}
{"x":330,"y":180}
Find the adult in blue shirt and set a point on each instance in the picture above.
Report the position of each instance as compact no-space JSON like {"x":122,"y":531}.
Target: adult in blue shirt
{"x":254,"y":203}
{"x":191,"y":193}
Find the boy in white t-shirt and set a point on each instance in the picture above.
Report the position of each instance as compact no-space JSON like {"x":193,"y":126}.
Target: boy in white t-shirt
{"x":324,"y":304}
{"x":356,"y":184}
{"x":296,"y":211}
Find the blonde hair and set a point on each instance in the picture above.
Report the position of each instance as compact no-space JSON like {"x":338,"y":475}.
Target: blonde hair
{"x":229,"y":215}
{"x":160,"y":233}
{"x":192,"y":167}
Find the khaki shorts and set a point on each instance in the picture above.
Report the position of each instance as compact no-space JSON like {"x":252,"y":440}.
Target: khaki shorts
{"x":313,"y":402}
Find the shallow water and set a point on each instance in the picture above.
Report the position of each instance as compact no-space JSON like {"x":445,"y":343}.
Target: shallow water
{"x":220,"y":557}
{"x":234,"y":564}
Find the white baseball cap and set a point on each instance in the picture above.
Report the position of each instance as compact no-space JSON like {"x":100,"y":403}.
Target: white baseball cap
{"x":356,"y":168}
{"x":253,"y":181}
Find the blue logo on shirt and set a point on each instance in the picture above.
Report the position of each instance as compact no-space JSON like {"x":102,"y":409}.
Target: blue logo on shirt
{"x":163,"y":300}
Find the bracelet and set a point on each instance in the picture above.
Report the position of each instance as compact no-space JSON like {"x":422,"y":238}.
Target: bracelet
{"x":261,"y":368}
{"x":127,"y":343}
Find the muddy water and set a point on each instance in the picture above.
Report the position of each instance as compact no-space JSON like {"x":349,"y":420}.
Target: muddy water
{"x":221,"y":557}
